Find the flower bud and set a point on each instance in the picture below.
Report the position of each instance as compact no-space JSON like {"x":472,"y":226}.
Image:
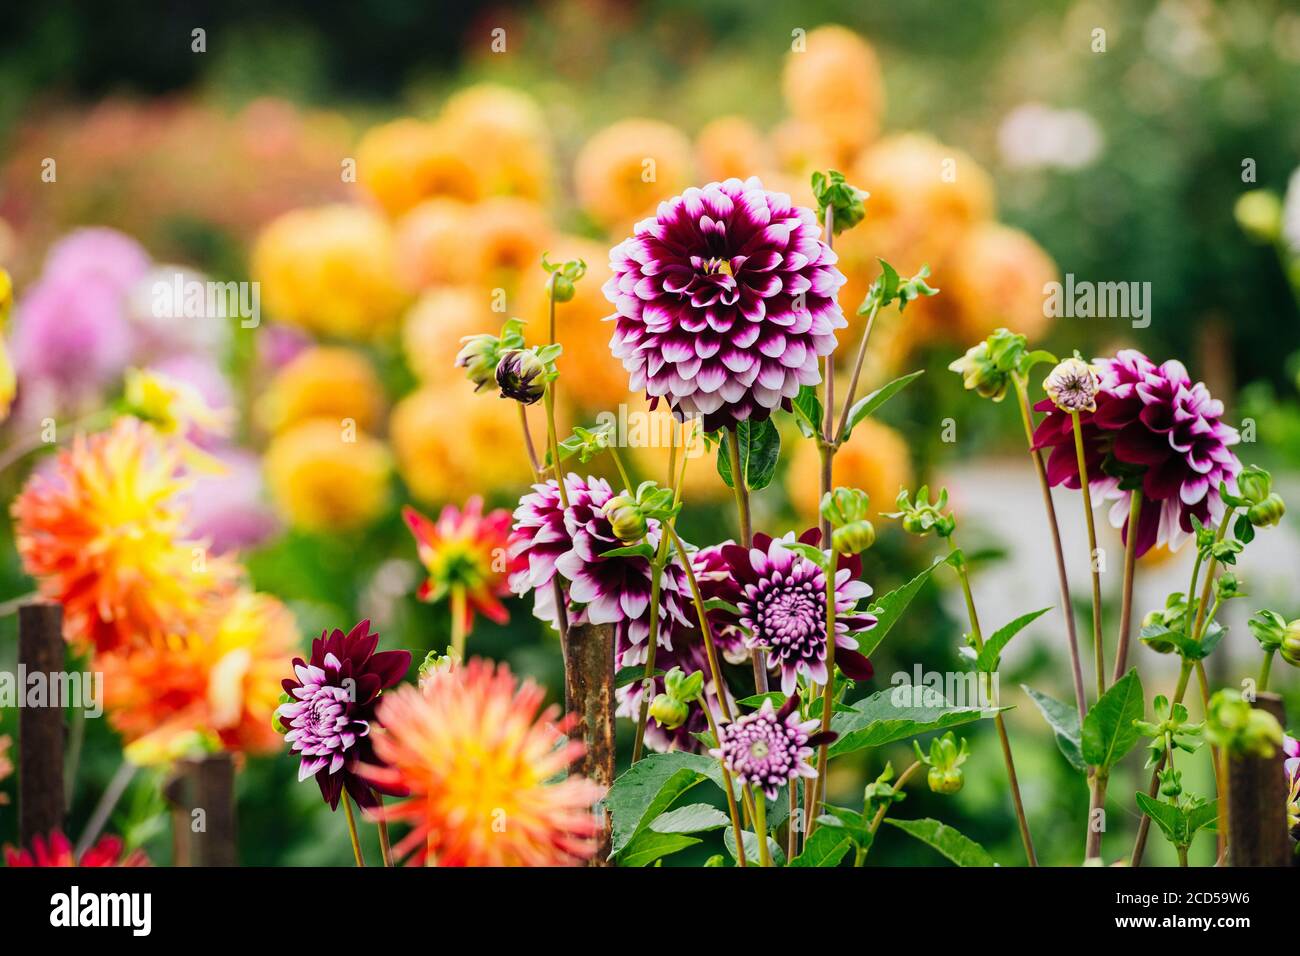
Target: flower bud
{"x":945,"y":781}
{"x":669,"y":712}
{"x":520,"y":375}
{"x":1073,"y":386}
{"x":980,"y":374}
{"x":944,"y":760}
{"x":844,"y":506}
{"x":478,"y":356}
{"x":1254,"y":484}
{"x":1268,"y":512}
{"x":853,"y":538}
{"x":625,"y":519}
{"x":1171,"y":783}
{"x":1290,"y":648}
{"x":682,"y":686}
{"x":279,"y":728}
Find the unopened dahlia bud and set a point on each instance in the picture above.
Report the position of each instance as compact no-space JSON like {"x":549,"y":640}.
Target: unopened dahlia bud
{"x":1268,"y":512}
{"x":478,"y":356}
{"x":944,"y":760}
{"x":1171,"y":783}
{"x":987,"y":366}
{"x":669,"y":712}
{"x":1269,"y":629}
{"x":844,"y":506}
{"x":1073,"y":385}
{"x":1233,"y":724}
{"x":625,"y":519}
{"x":682,"y":686}
{"x":562,"y":278}
{"x":1290,"y":647}
{"x":520,"y":375}
{"x":278,"y":727}
{"x":853,"y":538}
{"x":1254,"y":484}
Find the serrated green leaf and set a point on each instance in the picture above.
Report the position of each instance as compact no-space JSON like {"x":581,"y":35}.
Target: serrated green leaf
{"x":690,"y":819}
{"x":869,"y":403}
{"x":649,"y":787}
{"x":889,"y":608}
{"x":1064,"y":721}
{"x":760,"y":447}
{"x":651,"y":846}
{"x":878,"y":720}
{"x":958,"y":848}
{"x":826,"y":847}
{"x":1108,"y":731}
{"x":751,"y":847}
{"x":988,"y":658}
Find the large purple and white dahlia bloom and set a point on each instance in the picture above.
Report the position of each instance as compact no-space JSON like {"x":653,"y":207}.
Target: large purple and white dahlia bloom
{"x":1153,"y":426}
{"x":781,"y":596}
{"x":725,"y":301}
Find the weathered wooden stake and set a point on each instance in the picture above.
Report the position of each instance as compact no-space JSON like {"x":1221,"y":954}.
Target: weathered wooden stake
{"x":589,"y":693}
{"x":1257,"y":830}
{"x":40,"y":728}
{"x":202,"y":794}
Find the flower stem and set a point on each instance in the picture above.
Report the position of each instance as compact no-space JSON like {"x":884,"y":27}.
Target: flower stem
{"x":352,"y":830}
{"x":1126,"y":594}
{"x":1098,"y":650}
{"x":385,"y":846}
{"x":1264,"y":670}
{"x":760,"y":828}
{"x":648,"y":681}
{"x":726,"y":781}
{"x":740,"y":485}
{"x":552,"y":443}
{"x":1062,"y":579}
{"x":458,"y":614}
{"x":1144,"y":824}
{"x":838,"y":437}
{"x":818,"y":792}
{"x":528,"y":442}
{"x":978,"y":637}
{"x":1220,"y":783}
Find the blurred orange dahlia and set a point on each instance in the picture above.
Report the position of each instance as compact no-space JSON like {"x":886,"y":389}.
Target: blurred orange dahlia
{"x":481,"y":760}
{"x":105,"y":535}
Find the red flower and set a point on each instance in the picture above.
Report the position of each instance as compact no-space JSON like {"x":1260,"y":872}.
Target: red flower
{"x":58,"y":852}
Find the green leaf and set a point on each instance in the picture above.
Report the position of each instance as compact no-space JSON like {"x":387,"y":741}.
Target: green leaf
{"x":962,"y":850}
{"x":1108,"y":731}
{"x":851,"y":822}
{"x":717,"y":604}
{"x":649,"y":787}
{"x":826,"y":847}
{"x":651,"y":846}
{"x":869,"y":403}
{"x":1206,"y":816}
{"x":630,"y":675}
{"x":1171,"y":820}
{"x":1064,"y":721}
{"x":808,"y":411}
{"x":989,"y":656}
{"x":641,"y":549}
{"x":690,"y":819}
{"x":889,"y":608}
{"x":760,"y":446}
{"x":756,"y":700}
{"x":878,"y":720}
{"x":751,"y":847}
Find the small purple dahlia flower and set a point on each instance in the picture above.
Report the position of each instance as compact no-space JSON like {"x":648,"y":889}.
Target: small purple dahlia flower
{"x":334,"y":699}
{"x":769,"y":748}
{"x":725,"y":301}
{"x":781,"y":596}
{"x":1154,"y":426}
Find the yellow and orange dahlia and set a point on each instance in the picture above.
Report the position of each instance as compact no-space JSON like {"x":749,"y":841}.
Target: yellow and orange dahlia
{"x":487,"y":770}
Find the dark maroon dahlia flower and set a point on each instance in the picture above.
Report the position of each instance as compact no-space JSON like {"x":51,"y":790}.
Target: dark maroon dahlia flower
{"x":725,"y":301}
{"x":781,"y":596}
{"x":1153,"y":429}
{"x":330,"y":716}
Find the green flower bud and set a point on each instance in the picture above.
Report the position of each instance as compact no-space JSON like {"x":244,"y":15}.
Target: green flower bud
{"x":560,"y":285}
{"x":944,"y":760}
{"x":682,"y":686}
{"x":923,"y":517}
{"x":1269,"y":629}
{"x":478,"y":356}
{"x":1290,"y":647}
{"x":1268,"y":512}
{"x":844,"y":506}
{"x":521,"y":375}
{"x":1171,"y":783}
{"x":1233,"y":724}
{"x":625,"y":519}
{"x":1254,"y":484}
{"x":279,"y":728}
{"x":853,"y":538}
{"x":832,"y":190}
{"x":1259,"y":214}
{"x":669,"y":712}
{"x":716,"y":860}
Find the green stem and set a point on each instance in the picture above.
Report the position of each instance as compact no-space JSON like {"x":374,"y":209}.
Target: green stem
{"x":1144,"y":824}
{"x":818,"y":793}
{"x":760,"y":828}
{"x":1220,"y":782}
{"x":648,"y":681}
{"x":385,"y":845}
{"x":352,"y":831}
{"x":978,"y":637}
{"x":1098,"y":650}
{"x":853,"y":378}
{"x":740,"y":484}
{"x":1264,"y":670}
{"x":458,"y":614}
{"x":1126,"y":594}
{"x":552,"y":443}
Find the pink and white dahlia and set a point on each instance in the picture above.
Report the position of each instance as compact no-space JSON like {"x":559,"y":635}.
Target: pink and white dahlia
{"x":550,"y":539}
{"x":725,"y":300}
{"x":1155,"y":429}
{"x":769,"y":748}
{"x":781,"y":596}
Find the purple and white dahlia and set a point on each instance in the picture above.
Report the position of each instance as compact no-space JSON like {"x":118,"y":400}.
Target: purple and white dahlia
{"x":716,"y":580}
{"x":781,"y":596}
{"x":1153,"y":426}
{"x":601,"y":590}
{"x":725,"y":301}
{"x":328,"y":719}
{"x":769,"y":748}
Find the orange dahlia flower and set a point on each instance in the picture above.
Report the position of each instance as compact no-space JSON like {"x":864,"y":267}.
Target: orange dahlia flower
{"x":106,"y":536}
{"x":480,"y":762}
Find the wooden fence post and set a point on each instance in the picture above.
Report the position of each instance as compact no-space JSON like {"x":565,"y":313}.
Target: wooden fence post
{"x":202,"y":794}
{"x":40,"y":728}
{"x":1257,"y":830}
{"x":589,"y":693}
